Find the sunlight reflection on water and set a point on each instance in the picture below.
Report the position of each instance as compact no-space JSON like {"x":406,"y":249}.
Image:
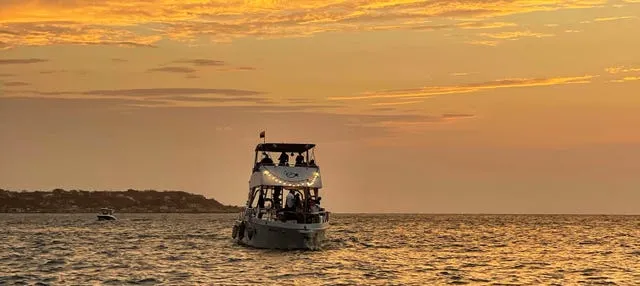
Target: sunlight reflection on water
{"x":188,"y":249}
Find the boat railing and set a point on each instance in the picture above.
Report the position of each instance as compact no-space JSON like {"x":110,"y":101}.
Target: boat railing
{"x":289,"y":164}
{"x":285,"y":215}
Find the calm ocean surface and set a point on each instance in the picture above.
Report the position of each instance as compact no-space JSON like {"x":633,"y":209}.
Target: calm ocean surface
{"x":196,"y":249}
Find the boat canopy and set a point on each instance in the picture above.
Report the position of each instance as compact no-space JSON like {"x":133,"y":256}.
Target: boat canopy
{"x":284,"y":147}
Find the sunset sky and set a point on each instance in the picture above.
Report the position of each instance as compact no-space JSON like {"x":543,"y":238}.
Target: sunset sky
{"x":469,"y":106}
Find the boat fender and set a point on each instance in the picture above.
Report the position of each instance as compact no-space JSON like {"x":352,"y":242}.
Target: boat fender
{"x":234,"y":232}
{"x":241,"y":231}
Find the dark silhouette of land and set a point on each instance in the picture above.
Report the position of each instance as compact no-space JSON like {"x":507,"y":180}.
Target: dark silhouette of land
{"x":130,"y":201}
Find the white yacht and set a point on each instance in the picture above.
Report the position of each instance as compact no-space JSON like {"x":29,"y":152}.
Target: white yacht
{"x":283,"y":205}
{"x":106,"y":214}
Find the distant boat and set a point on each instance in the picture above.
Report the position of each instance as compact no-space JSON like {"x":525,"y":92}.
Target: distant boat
{"x":283,"y":206}
{"x":106,"y":214}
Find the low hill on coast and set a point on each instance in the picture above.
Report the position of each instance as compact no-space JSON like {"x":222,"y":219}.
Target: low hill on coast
{"x":130,"y":201}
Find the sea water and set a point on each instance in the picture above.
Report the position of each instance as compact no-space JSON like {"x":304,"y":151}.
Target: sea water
{"x":399,"y":249}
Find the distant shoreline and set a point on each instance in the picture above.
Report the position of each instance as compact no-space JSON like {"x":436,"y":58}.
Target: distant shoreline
{"x":116,"y":212}
{"x":129,"y":201}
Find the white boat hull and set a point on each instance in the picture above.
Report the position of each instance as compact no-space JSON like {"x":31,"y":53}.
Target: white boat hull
{"x":106,"y":217}
{"x":279,"y":235}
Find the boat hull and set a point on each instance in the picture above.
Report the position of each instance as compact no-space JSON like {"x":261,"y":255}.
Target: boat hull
{"x":279,"y":235}
{"x":106,"y":217}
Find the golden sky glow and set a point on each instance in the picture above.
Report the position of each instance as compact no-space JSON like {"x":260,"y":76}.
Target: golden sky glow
{"x":470,"y":106}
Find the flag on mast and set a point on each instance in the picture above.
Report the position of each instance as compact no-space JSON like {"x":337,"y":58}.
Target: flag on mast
{"x":262,"y":135}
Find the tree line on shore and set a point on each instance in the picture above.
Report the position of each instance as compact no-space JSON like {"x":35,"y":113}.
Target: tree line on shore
{"x":129,"y":201}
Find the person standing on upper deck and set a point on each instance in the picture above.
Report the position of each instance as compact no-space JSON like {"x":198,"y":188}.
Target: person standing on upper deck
{"x":284,"y":159}
{"x":299,"y":159}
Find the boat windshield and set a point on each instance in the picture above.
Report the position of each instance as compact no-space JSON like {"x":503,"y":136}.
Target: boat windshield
{"x":106,"y":211}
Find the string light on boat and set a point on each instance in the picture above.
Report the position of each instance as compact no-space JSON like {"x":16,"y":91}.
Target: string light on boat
{"x":309,"y":182}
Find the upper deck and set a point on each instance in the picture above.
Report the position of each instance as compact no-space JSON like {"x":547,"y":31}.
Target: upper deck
{"x":285,"y":164}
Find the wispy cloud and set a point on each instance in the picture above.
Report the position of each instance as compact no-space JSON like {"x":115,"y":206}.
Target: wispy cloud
{"x":14,"y":83}
{"x":407,"y":123}
{"x":515,"y":35}
{"x":202,"y":62}
{"x":627,"y":78}
{"x":459,"y":74}
{"x":483,"y":43}
{"x":468,"y":88}
{"x":621,"y":69}
{"x":171,"y":92}
{"x":606,"y":19}
{"x":21,"y":61}
{"x":397,"y":103}
{"x":173,"y":70}
{"x":61,"y":71}
{"x":151,"y":97}
{"x":144,"y":23}
{"x":199,"y":65}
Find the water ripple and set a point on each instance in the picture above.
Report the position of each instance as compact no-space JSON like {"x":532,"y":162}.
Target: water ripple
{"x":192,"y":249}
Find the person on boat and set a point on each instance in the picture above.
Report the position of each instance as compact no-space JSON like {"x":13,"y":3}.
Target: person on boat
{"x":260,"y":200}
{"x":299,"y":159}
{"x":284,"y":159}
{"x":260,"y":204}
{"x":276,"y":197}
{"x":266,"y":160}
{"x":312,"y":163}
{"x":297,"y":202}
{"x":318,"y":203}
{"x":313,"y":207}
{"x":290,"y":201}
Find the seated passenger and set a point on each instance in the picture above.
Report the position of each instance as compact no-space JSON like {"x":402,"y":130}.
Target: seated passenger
{"x":313,"y":207}
{"x":284,"y":159}
{"x":265,"y":159}
{"x":300,"y":160}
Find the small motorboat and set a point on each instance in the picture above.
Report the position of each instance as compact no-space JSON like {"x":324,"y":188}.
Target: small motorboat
{"x":106,"y":214}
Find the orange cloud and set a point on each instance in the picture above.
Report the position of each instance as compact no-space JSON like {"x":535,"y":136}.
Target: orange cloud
{"x":606,"y":19}
{"x":627,"y":78}
{"x":474,"y":87}
{"x":621,"y":69}
{"x":142,"y":23}
{"x":514,"y":35}
{"x":396,"y":103}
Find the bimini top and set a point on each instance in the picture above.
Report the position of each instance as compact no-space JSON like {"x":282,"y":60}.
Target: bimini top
{"x":284,"y":147}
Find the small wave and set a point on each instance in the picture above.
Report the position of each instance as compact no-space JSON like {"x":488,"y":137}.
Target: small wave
{"x":55,"y":262}
{"x":145,"y":281}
